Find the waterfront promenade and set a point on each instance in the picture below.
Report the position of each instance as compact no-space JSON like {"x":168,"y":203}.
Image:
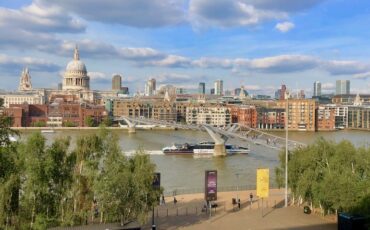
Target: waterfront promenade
{"x":187,"y":214}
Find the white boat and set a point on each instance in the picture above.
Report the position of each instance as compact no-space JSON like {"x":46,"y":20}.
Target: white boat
{"x":202,"y":149}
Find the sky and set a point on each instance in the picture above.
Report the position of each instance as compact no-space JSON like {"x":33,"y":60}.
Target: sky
{"x":259,"y":44}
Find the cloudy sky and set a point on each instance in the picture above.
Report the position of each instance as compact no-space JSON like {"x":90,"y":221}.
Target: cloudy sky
{"x":256,"y":43}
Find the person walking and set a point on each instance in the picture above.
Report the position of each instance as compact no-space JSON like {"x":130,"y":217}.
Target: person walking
{"x":251,"y":198}
{"x":174,"y":200}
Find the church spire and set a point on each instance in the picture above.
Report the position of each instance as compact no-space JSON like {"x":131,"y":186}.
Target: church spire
{"x":76,"y":56}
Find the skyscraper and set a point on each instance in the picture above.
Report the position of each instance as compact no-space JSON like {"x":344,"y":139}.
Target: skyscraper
{"x":342,"y":87}
{"x":150,"y":87}
{"x":280,"y":94}
{"x":116,"y":82}
{"x":219,"y":87}
{"x":202,"y":88}
{"x":316,"y":89}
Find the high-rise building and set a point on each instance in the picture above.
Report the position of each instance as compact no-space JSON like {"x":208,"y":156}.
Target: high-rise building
{"x":212,"y":91}
{"x":202,"y":88}
{"x":150,"y":87}
{"x":116,"y":82}
{"x":342,"y":87}
{"x":283,"y":92}
{"x":219,"y":87}
{"x":316,"y":89}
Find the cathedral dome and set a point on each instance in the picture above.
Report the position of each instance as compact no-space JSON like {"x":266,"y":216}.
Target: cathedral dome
{"x":76,"y":66}
{"x":75,"y":77}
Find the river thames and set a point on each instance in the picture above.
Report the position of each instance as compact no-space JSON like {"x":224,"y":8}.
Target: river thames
{"x":186,"y":172}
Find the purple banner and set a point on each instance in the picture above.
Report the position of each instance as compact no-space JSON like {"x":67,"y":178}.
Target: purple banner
{"x":211,"y":185}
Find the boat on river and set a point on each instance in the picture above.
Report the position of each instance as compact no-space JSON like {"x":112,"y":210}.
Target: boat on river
{"x":202,"y":148}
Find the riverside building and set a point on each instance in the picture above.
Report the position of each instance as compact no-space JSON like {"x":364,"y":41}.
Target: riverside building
{"x":218,"y":116}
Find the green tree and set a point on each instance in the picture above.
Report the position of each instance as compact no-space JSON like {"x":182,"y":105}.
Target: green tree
{"x":328,"y":175}
{"x":39,"y":124}
{"x":89,"y":121}
{"x":69,"y":124}
{"x":9,"y":178}
{"x":107,"y":121}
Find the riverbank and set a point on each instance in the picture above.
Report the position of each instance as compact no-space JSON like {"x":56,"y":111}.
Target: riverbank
{"x":89,"y":128}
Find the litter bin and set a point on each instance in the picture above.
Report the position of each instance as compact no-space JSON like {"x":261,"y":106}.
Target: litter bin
{"x":306,"y":210}
{"x":348,"y":221}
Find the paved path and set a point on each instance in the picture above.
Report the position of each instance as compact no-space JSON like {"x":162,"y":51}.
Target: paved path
{"x":183,"y":215}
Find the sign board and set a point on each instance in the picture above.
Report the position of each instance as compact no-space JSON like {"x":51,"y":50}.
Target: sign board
{"x":263,"y":183}
{"x":156,"y":184}
{"x":210,"y":191}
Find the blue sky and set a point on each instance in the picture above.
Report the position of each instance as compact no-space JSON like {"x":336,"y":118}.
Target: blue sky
{"x":256,"y":43}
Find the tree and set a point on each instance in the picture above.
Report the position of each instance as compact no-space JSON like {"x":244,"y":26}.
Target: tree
{"x":107,"y":121}
{"x":69,"y":124}
{"x":9,"y":178}
{"x":328,"y":175}
{"x":89,"y":121}
{"x":39,"y":124}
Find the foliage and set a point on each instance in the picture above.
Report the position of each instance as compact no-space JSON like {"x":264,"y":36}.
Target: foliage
{"x":89,"y":121}
{"x":332,"y":176}
{"x":39,"y":124}
{"x":107,"y":121}
{"x":42,"y":185}
{"x":69,"y":124}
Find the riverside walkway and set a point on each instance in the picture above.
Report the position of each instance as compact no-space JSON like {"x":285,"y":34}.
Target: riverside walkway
{"x":187,"y":214}
{"x":273,"y":215}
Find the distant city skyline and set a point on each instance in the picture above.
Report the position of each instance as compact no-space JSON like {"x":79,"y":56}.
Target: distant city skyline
{"x":256,"y":44}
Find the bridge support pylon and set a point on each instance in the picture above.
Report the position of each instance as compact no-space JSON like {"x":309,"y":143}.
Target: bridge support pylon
{"x":219,"y":149}
{"x":131,"y":129}
{"x":131,"y":125}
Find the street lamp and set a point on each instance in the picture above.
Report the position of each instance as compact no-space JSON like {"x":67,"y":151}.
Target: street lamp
{"x":286,"y":149}
{"x":237,"y":187}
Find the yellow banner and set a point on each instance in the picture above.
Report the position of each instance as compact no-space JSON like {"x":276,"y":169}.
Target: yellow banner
{"x":263,"y":183}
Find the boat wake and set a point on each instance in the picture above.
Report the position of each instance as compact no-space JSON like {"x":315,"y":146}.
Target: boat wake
{"x":149,"y":152}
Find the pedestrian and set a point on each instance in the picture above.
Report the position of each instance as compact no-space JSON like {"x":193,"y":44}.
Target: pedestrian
{"x":251,"y":197}
{"x":174,"y":200}
{"x":239,"y":203}
{"x":163,"y":200}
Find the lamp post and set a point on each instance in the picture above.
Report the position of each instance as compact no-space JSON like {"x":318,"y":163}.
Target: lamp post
{"x":286,"y":149}
{"x":237,"y":188}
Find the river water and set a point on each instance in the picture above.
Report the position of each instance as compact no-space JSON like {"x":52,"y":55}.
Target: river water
{"x":186,"y":172}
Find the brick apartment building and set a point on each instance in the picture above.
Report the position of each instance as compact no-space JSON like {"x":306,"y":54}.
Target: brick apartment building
{"x":56,"y":114}
{"x":244,"y":115}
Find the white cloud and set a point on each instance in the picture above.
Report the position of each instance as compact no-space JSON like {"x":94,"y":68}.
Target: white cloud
{"x":171,"y":78}
{"x":40,"y":17}
{"x":228,"y":13}
{"x":284,"y":63}
{"x":172,"y":61}
{"x":364,"y":75}
{"x":284,"y":26}
{"x":136,"y":13}
{"x":207,"y":62}
{"x":336,"y":67}
{"x":16,"y":64}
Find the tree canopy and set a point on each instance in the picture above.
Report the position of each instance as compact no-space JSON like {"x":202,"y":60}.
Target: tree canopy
{"x":45,"y":185}
{"x":328,"y":175}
